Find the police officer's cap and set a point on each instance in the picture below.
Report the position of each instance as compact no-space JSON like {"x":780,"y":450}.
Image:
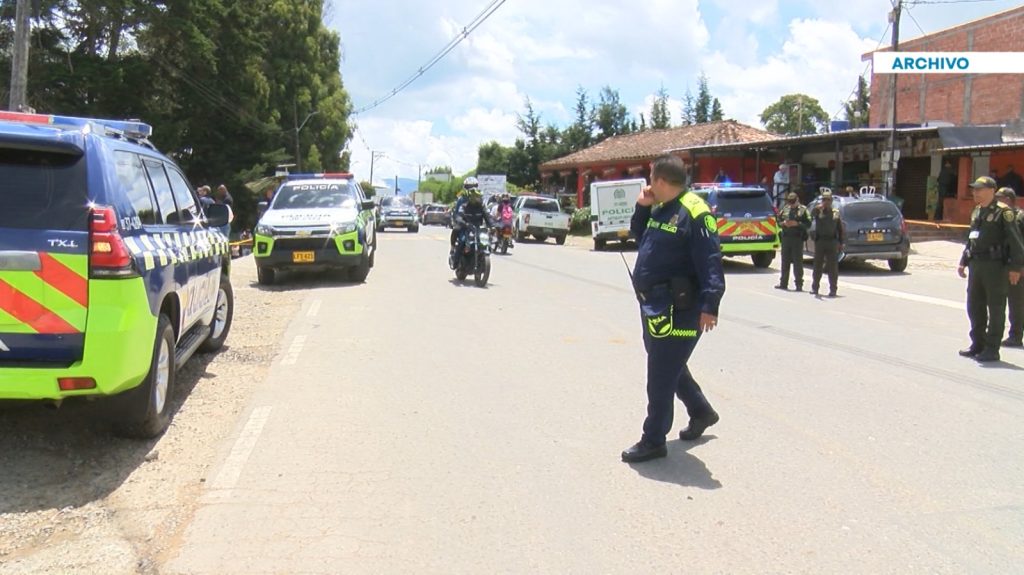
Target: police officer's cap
{"x":1006,"y":193}
{"x":826,"y":195}
{"x":792,"y":196}
{"x":984,"y":182}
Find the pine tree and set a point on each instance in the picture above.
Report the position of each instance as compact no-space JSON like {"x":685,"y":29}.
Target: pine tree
{"x":703,"y":106}
{"x":716,"y":111}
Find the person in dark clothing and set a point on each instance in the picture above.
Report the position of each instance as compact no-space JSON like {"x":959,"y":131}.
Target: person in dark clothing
{"x":829,"y":236}
{"x":223,"y":197}
{"x":947,"y":188}
{"x":1015,"y":295}
{"x":679,"y":284}
{"x":1011,"y":179}
{"x":795,"y":221}
{"x":472,"y":213}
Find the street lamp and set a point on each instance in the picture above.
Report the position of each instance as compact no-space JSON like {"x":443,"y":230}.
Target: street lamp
{"x":298,"y":128}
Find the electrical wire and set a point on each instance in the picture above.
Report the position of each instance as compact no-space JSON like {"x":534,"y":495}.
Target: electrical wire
{"x":918,"y":24}
{"x":466,"y":31}
{"x":923,"y":2}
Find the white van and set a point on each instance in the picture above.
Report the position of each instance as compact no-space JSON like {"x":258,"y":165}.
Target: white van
{"x":611,"y":209}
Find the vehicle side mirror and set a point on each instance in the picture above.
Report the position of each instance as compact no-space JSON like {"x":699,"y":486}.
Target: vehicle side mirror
{"x":217,"y":215}
{"x":369,"y":205}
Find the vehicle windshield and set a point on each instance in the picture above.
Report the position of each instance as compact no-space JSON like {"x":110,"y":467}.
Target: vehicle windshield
{"x":43,"y":191}
{"x":550,"y":206}
{"x":312,"y":196}
{"x":867,"y":211}
{"x":743,"y":202}
{"x":396,"y":202}
{"x":435,"y":209}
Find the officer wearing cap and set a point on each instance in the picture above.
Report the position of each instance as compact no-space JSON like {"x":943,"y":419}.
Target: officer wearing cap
{"x":679,"y":283}
{"x":1015,"y":294}
{"x":994,"y":256}
{"x":829,"y":235}
{"x":795,"y":221}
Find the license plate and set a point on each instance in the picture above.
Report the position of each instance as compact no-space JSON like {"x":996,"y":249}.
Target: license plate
{"x":399,"y":224}
{"x":623,"y":233}
{"x":549,"y":231}
{"x":303,"y":257}
{"x":876,"y":237}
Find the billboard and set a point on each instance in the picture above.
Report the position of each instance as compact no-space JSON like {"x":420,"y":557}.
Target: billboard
{"x":492,"y":184}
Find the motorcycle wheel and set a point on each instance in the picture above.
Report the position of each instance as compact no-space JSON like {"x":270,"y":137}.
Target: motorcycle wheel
{"x":482,"y":272}
{"x":504,"y":247}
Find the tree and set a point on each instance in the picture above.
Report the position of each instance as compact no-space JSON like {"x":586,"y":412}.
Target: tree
{"x":689,"y":111}
{"x":661,"y":117}
{"x":492,"y":158}
{"x":610,"y":116}
{"x":795,"y":115}
{"x":858,"y":109}
{"x":581,"y":133}
{"x":312,"y":162}
{"x":702,"y":107}
{"x":367,"y":188}
{"x":716,"y":111}
{"x":440,"y":170}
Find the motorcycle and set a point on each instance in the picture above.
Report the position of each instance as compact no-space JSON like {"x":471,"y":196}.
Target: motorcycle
{"x":504,"y":236}
{"x":475,"y":257}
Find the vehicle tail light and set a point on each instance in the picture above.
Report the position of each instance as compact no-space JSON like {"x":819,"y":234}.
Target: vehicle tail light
{"x":76,"y":383}
{"x":108,"y":254}
{"x":526,"y":219}
{"x":903,"y":227}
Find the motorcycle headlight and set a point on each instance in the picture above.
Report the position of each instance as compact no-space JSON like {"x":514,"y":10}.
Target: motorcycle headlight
{"x":341,"y":229}
{"x":264,"y":230}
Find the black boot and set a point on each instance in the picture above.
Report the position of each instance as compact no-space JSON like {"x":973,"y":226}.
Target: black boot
{"x":643,"y":451}
{"x":697,"y":426}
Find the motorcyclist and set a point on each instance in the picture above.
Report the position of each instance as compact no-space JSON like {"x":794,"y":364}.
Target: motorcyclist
{"x":471,"y":213}
{"x":505,"y":214}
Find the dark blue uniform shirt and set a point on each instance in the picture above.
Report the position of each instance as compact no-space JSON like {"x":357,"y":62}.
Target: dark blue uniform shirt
{"x":679,"y":239}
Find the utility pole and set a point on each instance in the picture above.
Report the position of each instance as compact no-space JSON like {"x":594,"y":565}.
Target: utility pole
{"x":373,"y":157}
{"x":894,"y":17}
{"x":298,"y":128}
{"x":800,"y":121}
{"x":419,"y":177}
{"x":396,"y":184}
{"x":19,"y":62}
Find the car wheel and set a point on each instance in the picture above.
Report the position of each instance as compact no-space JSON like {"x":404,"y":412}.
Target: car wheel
{"x":541,"y":238}
{"x":520,"y":236}
{"x":373,"y":253}
{"x":359,"y":273}
{"x":414,"y":229}
{"x":560,"y":240}
{"x":265,"y":276}
{"x":899,"y":265}
{"x":222,"y":316}
{"x":599,"y":245}
{"x":144,"y":412}
{"x":763,"y":260}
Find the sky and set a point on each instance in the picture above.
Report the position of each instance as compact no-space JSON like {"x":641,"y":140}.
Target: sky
{"x":752,"y":51}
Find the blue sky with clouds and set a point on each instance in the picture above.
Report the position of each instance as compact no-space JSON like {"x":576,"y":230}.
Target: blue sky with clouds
{"x":753,"y":52}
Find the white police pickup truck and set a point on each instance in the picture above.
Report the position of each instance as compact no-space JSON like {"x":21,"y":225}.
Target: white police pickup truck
{"x":540,"y":217}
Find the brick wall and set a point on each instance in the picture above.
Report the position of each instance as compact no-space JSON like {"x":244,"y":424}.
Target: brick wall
{"x":958,"y":98}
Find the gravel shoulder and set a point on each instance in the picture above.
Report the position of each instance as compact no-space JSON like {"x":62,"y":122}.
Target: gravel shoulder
{"x":75,"y":499}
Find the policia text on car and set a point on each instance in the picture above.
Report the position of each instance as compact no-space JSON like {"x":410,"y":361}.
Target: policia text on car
{"x":994,"y":256}
{"x":679,"y":282}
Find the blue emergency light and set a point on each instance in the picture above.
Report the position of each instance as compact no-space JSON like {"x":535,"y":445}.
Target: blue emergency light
{"x":129,"y":128}
{"x":321,"y":176}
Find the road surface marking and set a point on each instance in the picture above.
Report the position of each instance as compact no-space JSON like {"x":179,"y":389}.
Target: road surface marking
{"x":241,"y":450}
{"x":314,"y":308}
{"x":291,"y":357}
{"x":957,"y":305}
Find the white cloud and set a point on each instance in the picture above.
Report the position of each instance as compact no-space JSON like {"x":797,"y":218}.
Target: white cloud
{"x":756,"y":11}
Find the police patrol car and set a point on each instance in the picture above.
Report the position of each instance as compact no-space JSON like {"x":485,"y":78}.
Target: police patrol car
{"x":111,"y":274}
{"x":316,"y":222}
{"x":747,"y":223}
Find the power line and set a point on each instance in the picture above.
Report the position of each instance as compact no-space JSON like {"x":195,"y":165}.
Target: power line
{"x":916,"y":23}
{"x":923,"y":2}
{"x":466,"y":31}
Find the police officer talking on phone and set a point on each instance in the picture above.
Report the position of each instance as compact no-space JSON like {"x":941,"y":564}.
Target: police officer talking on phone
{"x":679,"y":283}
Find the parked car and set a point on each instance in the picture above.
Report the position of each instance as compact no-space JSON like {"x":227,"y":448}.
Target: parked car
{"x":540,"y":217}
{"x":435,"y":214}
{"x":747,"y":224}
{"x":875,"y":230}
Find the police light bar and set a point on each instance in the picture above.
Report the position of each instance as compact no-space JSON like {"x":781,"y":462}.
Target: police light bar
{"x":127,"y":127}
{"x":322,"y":176}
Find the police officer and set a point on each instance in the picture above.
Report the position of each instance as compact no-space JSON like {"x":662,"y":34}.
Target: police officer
{"x":994,"y":254}
{"x":1015,"y":295}
{"x":795,"y":221}
{"x":679,"y":283}
{"x":829,"y":235}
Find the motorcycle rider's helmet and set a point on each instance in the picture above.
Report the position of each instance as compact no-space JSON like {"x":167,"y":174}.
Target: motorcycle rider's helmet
{"x":505,"y":197}
{"x":471,"y":183}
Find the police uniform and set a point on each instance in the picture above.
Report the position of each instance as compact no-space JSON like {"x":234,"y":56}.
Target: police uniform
{"x":678,"y":276}
{"x":994,"y":245}
{"x":828,"y":235}
{"x":1015,"y":293}
{"x":793,"y":241}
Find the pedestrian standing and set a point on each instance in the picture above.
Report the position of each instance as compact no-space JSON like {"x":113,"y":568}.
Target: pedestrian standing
{"x":1011,"y":179}
{"x":223,"y":197}
{"x":1015,"y":293}
{"x":781,"y":184}
{"x":994,"y":256}
{"x":795,"y":221}
{"x":679,"y":283}
{"x":947,"y":188}
{"x":829,"y":235}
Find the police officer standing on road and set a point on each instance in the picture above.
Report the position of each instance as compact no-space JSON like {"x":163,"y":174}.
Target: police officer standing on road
{"x":829,"y":235}
{"x":679,"y":283}
{"x":994,"y":254}
{"x":795,"y":221}
{"x":1015,"y":295}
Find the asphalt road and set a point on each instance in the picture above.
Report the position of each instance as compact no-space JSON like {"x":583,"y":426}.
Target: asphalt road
{"x":412,"y":424}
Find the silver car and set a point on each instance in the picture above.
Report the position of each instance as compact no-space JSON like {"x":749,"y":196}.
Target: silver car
{"x":875,"y":230}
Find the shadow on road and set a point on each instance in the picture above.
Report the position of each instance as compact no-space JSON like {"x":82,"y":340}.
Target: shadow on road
{"x":55,"y":459}
{"x":1004,"y":365}
{"x":305,"y":281}
{"x":680,"y":467}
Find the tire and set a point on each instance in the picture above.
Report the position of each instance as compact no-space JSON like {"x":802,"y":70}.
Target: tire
{"x":520,"y":236}
{"x":414,"y":229}
{"x":265,"y":276}
{"x":763,"y":260}
{"x":373,"y":254}
{"x":480,"y":276}
{"x":143,"y":411}
{"x":899,"y":265}
{"x":460,"y":274}
{"x":540,"y":238}
{"x":222,"y":317}
{"x":359,"y":273}
{"x":504,"y":247}
{"x":560,"y":240}
{"x":599,"y":245}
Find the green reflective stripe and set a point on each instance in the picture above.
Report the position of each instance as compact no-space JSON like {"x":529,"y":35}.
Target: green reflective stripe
{"x":660,"y":226}
{"x":9,"y":324}
{"x":684,"y":333}
{"x":695,"y":205}
{"x":74,"y":262}
{"x":747,"y":248}
{"x":60,"y":305}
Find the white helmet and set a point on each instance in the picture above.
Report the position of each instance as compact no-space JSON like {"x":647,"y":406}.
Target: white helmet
{"x":470,"y":183}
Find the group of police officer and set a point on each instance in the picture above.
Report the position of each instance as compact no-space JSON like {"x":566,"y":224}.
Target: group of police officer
{"x":825,"y":226}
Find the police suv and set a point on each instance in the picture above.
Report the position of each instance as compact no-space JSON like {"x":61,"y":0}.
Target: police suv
{"x":747,"y":222}
{"x":112,"y":275}
{"x":316,"y":222}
